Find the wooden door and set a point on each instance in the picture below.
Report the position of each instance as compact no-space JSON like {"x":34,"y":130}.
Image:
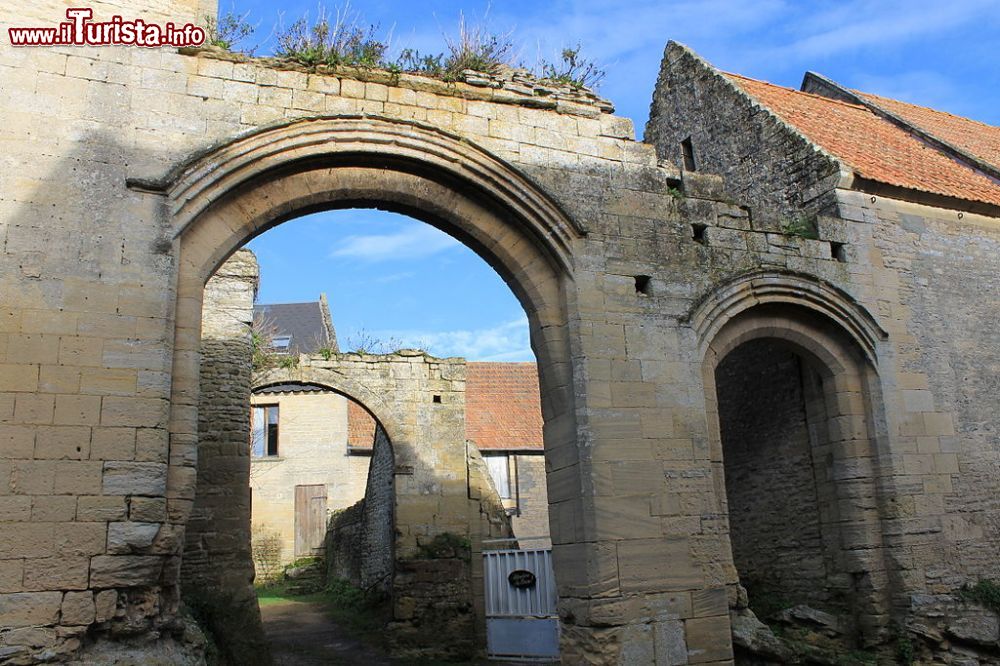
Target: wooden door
{"x":310,"y":519}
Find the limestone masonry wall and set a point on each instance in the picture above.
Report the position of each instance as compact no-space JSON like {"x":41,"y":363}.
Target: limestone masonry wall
{"x":130,"y":175}
{"x":770,"y":477}
{"x":217,"y":571}
{"x":765,"y":164}
{"x":360,"y":538}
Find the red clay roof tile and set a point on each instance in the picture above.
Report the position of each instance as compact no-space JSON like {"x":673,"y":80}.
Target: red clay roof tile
{"x":978,"y":139}
{"x":873,"y":147}
{"x":503,"y":406}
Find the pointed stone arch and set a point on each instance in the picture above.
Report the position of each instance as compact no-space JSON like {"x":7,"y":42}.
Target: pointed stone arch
{"x":835,"y":341}
{"x":227,"y":195}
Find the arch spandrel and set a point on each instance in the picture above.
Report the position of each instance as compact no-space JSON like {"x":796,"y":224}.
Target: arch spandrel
{"x":723,"y":303}
{"x":392,"y":144}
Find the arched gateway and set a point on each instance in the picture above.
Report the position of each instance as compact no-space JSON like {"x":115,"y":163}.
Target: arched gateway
{"x":649,"y":293}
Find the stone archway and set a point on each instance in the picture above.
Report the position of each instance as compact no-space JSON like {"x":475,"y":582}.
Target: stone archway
{"x":793,"y":404}
{"x":438,"y":491}
{"x":224,"y":198}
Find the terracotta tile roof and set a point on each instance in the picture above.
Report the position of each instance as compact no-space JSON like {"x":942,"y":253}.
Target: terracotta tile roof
{"x":873,"y":148}
{"x":360,"y":427}
{"x":503,"y":406}
{"x":978,"y":139}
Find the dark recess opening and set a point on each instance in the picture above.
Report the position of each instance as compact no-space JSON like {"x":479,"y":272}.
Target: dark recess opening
{"x":838,"y":251}
{"x":687,"y":150}
{"x":642,"y":284}
{"x":698,"y":233}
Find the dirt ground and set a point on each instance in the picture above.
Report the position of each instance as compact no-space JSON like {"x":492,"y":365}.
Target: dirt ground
{"x":301,"y":634}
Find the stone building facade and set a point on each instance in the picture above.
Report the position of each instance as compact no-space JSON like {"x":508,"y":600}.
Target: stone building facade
{"x":317,"y":448}
{"x":880,"y":519}
{"x":134,"y":173}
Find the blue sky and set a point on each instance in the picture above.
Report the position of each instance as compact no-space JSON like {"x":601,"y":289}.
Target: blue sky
{"x":397,"y":278}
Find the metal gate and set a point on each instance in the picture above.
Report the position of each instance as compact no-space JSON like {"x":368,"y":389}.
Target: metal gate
{"x":521,"y":618}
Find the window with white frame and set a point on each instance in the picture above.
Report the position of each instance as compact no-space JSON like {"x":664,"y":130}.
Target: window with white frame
{"x":264,"y":428}
{"x":499,"y":467}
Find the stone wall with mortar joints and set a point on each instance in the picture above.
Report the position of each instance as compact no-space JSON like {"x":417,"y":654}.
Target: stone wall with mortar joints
{"x":88,"y":300}
{"x":360,"y":539}
{"x":217,"y":569}
{"x":942,"y":300}
{"x":766,"y":164}
{"x":771,"y":489}
{"x":378,"y":525}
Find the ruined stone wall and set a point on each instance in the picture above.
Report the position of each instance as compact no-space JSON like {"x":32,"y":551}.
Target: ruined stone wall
{"x":420,"y":494}
{"x":766,"y":165}
{"x":774,"y":512}
{"x":217,"y":570}
{"x":360,"y":538}
{"x":104,"y":263}
{"x":379,"y":531}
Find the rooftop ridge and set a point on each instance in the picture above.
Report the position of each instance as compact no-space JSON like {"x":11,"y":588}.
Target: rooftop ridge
{"x":860,"y":107}
{"x":926,"y":108}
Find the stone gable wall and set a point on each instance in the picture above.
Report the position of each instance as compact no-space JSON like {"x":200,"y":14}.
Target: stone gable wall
{"x":766,"y":164}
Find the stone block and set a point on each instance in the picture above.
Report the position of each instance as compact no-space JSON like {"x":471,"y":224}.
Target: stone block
{"x":663,"y":564}
{"x":709,"y":639}
{"x":105,"y":605}
{"x":57,"y":573}
{"x":100,"y":508}
{"x":53,"y":508}
{"x":669,"y":643}
{"x":11,"y":575}
{"x":147,"y":509}
{"x":77,"y":410}
{"x":112,"y":444}
{"x":15,"y":508}
{"x":77,"y":477}
{"x":135,"y":478}
{"x":27,"y":609}
{"x":78,"y":608}
{"x":62,"y":442}
{"x":17,"y":441}
{"x":125,"y":571}
{"x":131,"y":537}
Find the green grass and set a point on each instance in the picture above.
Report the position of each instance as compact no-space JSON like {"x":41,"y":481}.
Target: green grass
{"x":363,"y":616}
{"x":986,"y":592}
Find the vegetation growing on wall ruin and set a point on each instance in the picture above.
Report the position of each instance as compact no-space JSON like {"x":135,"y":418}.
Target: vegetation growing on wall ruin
{"x":343,"y":39}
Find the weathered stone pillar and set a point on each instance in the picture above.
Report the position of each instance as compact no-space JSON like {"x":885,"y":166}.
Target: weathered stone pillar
{"x":217,"y":571}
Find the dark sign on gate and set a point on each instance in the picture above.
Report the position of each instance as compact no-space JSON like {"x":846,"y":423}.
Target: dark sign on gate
{"x":521,"y":579}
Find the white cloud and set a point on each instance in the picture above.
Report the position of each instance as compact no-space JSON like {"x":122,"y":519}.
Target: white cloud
{"x":394,"y":277}
{"x":867,"y":24}
{"x":508,"y":341}
{"x":413,"y":242}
